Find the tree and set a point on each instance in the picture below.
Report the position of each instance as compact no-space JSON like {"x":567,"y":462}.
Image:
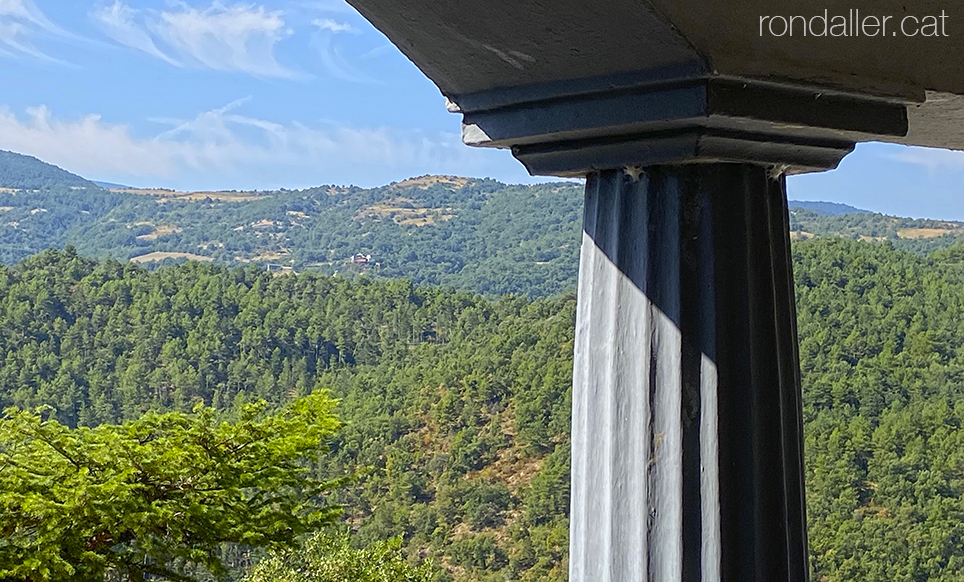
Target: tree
{"x":328,"y":557}
{"x":158,"y":496}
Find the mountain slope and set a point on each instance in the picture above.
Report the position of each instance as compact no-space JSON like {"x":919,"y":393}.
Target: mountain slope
{"x":827,"y":208}
{"x":481,"y":235}
{"x":472,"y":234}
{"x":21,"y":172}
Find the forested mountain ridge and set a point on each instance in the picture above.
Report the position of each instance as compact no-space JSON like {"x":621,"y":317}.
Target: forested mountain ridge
{"x":20,"y":172}
{"x":918,"y":235}
{"x":460,"y":405}
{"x":828,"y":208}
{"x":474,"y":235}
{"x":471,"y":234}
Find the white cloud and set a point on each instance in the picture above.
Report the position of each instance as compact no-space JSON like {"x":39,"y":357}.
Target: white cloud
{"x":236,"y":37}
{"x":20,"y":21}
{"x":330,"y":53}
{"x":118,"y":22}
{"x":223,"y":148}
{"x":337,"y":6}
{"x":26,"y":10}
{"x":333,"y":26}
{"x":335,"y":63}
{"x":930,"y":158}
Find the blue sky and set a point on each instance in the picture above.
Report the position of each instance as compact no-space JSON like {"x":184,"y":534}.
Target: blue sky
{"x":224,"y":95}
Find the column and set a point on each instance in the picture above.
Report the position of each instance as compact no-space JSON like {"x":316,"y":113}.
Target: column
{"x":686,"y":427}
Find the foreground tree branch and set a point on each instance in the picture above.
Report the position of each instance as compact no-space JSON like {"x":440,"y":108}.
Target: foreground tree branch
{"x":166,"y":489}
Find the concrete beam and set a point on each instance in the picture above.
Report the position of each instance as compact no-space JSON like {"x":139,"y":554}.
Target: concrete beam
{"x":488,"y":46}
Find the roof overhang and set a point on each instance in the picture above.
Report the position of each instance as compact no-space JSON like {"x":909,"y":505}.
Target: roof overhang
{"x":560,"y":82}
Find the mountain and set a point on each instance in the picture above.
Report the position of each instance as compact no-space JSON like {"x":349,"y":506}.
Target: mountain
{"x":112,"y":186}
{"x":20,"y":172}
{"x":827,"y":208}
{"x":471,"y":234}
{"x":439,"y":230}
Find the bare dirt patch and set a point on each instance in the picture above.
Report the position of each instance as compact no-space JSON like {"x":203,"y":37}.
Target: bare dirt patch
{"x":801,"y":235}
{"x":159,"y":256}
{"x":163,"y":195}
{"x":406,"y":211}
{"x":918,"y":233}
{"x":424,"y":182}
{"x":265,"y":223}
{"x":159,"y":231}
{"x":263,"y":256}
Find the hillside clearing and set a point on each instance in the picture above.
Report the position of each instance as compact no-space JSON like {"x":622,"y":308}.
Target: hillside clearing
{"x":158,"y":232}
{"x":163,"y":195}
{"x":918,"y":233}
{"x":160,"y":256}
{"x":425,"y":182}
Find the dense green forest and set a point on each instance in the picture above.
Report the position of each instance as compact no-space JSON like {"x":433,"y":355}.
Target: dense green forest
{"x":46,"y":218}
{"x":21,"y":172}
{"x":826,"y":208}
{"x":456,"y":407}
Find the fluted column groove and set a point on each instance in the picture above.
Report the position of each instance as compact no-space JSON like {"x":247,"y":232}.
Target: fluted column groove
{"x":686,"y":426}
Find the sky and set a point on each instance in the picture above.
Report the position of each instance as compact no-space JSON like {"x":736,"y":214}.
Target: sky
{"x":197,"y":95}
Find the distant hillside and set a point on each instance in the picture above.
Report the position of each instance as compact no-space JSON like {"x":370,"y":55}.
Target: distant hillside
{"x":112,"y":186}
{"x":476,"y":235}
{"x":21,"y":172}
{"x":826,"y":208}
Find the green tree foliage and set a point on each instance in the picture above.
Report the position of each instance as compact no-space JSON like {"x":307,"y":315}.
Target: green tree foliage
{"x":31,"y":221}
{"x":822,"y":219}
{"x":474,"y":235}
{"x":882,"y":352}
{"x":459,"y":406}
{"x":451,"y":400}
{"x":22,"y":172}
{"x":328,"y":557}
{"x":159,"y":495}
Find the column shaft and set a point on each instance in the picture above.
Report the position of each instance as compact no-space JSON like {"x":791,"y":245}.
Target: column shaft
{"x":686,"y":426}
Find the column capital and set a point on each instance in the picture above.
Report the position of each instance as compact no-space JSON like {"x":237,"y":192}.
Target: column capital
{"x":674,"y":115}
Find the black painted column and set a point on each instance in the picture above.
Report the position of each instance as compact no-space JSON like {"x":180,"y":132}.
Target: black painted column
{"x":686,"y":428}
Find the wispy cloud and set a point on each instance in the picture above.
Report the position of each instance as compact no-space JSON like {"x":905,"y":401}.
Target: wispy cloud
{"x":228,"y":38}
{"x":931,"y":158}
{"x":20,"y":22}
{"x":236,"y":37}
{"x":333,"y":25}
{"x":336,"y":6}
{"x":330,"y":52}
{"x":118,"y":21}
{"x":225,"y":147}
